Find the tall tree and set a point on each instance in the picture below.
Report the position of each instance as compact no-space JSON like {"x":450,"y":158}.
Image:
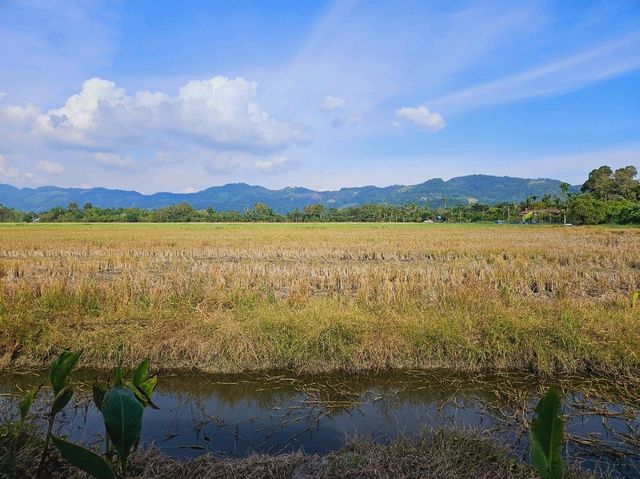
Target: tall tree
{"x":600,"y":183}
{"x":564,"y":190}
{"x":626,"y":184}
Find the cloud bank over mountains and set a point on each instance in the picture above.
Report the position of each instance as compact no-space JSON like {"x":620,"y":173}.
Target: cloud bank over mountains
{"x":336,"y":92}
{"x":215,"y":113}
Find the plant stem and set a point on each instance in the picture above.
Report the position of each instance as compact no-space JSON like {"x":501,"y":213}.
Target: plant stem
{"x":123,"y":462}
{"x":46,"y":444}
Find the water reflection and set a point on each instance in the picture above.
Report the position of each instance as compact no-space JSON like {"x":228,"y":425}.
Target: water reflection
{"x":238,"y":415}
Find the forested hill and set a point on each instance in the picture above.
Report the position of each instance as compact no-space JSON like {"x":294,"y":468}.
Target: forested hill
{"x":239,"y":196}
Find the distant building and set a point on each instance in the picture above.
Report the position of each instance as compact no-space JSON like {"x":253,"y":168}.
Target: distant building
{"x":531,"y":214}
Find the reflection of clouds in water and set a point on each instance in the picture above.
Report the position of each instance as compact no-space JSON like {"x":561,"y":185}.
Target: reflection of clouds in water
{"x":237,"y":415}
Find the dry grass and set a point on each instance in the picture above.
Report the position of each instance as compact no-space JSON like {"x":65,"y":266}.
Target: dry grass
{"x":435,"y":454}
{"x":442,"y":455}
{"x":229,"y":298}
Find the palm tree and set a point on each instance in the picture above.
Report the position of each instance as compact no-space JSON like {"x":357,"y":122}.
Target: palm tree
{"x":564,"y":188}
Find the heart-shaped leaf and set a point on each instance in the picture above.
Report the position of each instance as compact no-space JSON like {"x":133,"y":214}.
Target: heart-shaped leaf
{"x":122,"y":414}
{"x":546,"y":435}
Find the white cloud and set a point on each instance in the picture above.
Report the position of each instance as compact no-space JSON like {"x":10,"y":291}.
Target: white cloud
{"x":6,"y":171}
{"x":10,"y":173}
{"x":332,"y":103}
{"x":215,"y":112}
{"x":274,"y":165}
{"x":113,"y":160}
{"x":50,"y":167}
{"x":421,"y":117}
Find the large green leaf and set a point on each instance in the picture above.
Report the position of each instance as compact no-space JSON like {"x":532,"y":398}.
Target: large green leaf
{"x":546,"y":435}
{"x":61,"y":368}
{"x":122,"y":414}
{"x":84,"y":459}
{"x":61,"y":400}
{"x":27,"y":401}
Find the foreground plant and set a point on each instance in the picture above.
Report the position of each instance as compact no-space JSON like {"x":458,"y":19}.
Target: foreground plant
{"x":27,"y":401}
{"x":59,"y":374}
{"x":122,"y":406}
{"x":546,"y":436}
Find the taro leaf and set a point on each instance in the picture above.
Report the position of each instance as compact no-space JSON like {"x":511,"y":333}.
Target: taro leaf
{"x":142,"y":385}
{"x":141,"y":395}
{"x":98,"y":395}
{"x":27,"y":401}
{"x":61,"y":367}
{"x":142,"y":380}
{"x":84,"y":459}
{"x":122,"y":414}
{"x":149,"y":385}
{"x":546,"y":435}
{"x":61,"y":400}
{"x":141,"y":374}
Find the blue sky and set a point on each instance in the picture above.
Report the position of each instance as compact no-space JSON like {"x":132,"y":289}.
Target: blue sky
{"x":180,"y":96}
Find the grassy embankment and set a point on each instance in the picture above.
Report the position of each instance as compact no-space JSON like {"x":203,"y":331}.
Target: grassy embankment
{"x":437,"y":454}
{"x":316,"y":297}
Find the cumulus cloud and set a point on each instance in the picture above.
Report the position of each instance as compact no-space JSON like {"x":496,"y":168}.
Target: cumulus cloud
{"x":50,"y":167}
{"x":421,"y":117}
{"x":332,"y":103}
{"x":216,"y":112}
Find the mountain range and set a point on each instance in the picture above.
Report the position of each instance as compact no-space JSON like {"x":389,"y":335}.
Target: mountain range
{"x":240,"y":196}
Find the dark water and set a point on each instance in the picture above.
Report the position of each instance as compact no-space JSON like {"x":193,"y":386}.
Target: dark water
{"x":238,"y":415}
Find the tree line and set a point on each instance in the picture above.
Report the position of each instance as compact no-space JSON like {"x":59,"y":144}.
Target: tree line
{"x":606,"y":197}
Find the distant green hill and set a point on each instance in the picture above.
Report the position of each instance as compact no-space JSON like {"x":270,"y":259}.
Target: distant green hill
{"x":239,"y":196}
